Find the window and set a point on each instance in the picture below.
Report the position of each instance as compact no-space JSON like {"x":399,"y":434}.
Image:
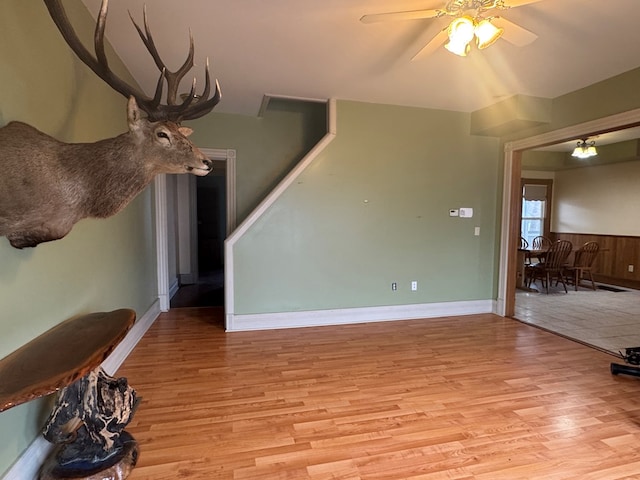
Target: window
{"x":535,"y":209}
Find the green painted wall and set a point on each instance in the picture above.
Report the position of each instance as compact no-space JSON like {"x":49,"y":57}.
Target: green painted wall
{"x":374,"y":209}
{"x":102,"y":264}
{"x":267,"y":147}
{"x":614,"y":95}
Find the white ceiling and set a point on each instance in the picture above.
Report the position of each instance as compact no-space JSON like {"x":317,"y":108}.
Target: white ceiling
{"x":319,"y":49}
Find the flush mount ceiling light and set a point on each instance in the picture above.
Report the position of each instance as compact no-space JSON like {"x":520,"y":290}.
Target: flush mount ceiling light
{"x":479,"y":19}
{"x":585,"y":149}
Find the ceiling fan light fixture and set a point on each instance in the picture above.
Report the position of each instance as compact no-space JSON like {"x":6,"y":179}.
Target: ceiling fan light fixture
{"x":585,"y":149}
{"x":467,"y":19}
{"x":487,"y":33}
{"x":461,"y":31}
{"x":459,"y":48}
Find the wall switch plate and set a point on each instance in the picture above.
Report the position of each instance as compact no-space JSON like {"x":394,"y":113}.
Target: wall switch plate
{"x":630,"y":268}
{"x":476,"y":231}
{"x":466,"y":212}
{"x":453,"y":212}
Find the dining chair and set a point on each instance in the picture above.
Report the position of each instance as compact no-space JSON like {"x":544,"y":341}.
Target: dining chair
{"x":541,"y":243}
{"x":524,"y":246}
{"x":582,"y":264}
{"x":553,"y":265}
{"x":539,"y":247}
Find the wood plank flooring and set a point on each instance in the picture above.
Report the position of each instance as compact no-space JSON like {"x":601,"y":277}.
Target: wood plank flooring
{"x":473,"y":397}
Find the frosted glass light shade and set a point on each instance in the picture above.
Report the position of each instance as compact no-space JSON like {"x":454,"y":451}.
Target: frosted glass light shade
{"x":461,"y":31}
{"x":584,"y":150}
{"x":487,"y":33}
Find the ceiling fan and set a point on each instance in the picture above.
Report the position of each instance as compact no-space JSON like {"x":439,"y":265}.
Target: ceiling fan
{"x":471,"y":18}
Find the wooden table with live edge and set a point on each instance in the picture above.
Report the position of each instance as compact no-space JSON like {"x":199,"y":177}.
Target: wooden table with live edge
{"x":67,"y":359}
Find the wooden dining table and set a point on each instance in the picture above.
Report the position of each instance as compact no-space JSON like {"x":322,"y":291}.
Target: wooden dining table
{"x":524,"y":258}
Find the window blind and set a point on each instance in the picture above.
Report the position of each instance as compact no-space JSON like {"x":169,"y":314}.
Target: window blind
{"x":535,"y":192}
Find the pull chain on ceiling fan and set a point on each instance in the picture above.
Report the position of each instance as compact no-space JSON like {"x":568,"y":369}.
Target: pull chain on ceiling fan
{"x":470,"y":22}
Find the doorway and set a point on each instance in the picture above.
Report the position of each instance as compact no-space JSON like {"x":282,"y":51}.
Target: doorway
{"x":579,"y":314}
{"x":511,"y":204}
{"x":208,"y":217}
{"x":208,"y":291}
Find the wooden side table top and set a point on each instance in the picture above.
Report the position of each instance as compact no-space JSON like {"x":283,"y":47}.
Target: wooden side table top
{"x":61,"y":355}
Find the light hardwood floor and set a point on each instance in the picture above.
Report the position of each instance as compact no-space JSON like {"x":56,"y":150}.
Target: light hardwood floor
{"x":473,"y":397}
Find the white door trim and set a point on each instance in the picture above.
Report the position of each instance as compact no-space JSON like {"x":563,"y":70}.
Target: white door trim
{"x":160,"y":194}
{"x":162,"y":246}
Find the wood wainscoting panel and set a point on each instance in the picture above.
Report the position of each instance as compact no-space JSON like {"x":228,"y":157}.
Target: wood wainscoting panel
{"x":617,"y":252}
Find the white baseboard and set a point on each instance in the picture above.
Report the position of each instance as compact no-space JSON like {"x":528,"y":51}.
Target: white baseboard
{"x":125,"y":347}
{"x":28,"y":464}
{"x":316,"y":318}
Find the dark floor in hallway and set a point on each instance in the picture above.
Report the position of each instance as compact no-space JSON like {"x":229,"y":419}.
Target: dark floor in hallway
{"x":207,"y":292}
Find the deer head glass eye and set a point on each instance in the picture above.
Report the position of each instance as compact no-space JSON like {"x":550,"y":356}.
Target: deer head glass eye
{"x":163,"y":137}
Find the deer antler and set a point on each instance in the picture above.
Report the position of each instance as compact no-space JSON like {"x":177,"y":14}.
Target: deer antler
{"x":192,"y":107}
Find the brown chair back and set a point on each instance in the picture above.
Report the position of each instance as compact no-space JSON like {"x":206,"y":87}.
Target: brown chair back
{"x":557,"y":255}
{"x":586,"y":254}
{"x":541,"y":243}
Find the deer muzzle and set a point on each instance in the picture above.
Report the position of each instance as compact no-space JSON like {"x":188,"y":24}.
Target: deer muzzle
{"x":200,"y":171}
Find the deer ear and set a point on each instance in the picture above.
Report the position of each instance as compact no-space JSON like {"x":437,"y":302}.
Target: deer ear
{"x":186,"y":131}
{"x":133,"y":114}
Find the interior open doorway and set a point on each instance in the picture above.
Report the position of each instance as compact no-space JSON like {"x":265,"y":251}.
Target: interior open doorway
{"x":206,"y":216}
{"x":512,"y":201}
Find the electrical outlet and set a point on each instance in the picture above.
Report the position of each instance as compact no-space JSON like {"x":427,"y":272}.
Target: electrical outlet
{"x":394,"y":286}
{"x":630,"y":268}
{"x":414,"y":285}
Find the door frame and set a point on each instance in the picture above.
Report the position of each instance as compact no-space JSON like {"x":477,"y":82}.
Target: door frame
{"x":511,"y":204}
{"x":189,"y":228}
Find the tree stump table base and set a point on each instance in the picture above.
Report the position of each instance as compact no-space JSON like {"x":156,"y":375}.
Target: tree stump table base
{"x":117,"y":467}
{"x":92,"y":408}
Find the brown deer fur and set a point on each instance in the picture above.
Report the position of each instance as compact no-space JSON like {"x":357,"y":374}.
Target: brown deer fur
{"x":46,"y":186}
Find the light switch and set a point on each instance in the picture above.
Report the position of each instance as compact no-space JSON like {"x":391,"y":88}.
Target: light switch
{"x":453,"y":212}
{"x":466,"y":212}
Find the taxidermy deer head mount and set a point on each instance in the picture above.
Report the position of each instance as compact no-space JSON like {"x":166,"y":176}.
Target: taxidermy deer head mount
{"x":47,"y":186}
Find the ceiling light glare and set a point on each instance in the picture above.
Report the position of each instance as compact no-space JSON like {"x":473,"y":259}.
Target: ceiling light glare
{"x":585,"y":150}
{"x":487,"y":33}
{"x":461,"y":31}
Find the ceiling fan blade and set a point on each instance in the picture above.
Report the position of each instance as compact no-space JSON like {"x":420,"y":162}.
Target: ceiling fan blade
{"x":409,"y":15}
{"x":520,"y":3}
{"x":433,"y":44}
{"x":514,"y":33}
